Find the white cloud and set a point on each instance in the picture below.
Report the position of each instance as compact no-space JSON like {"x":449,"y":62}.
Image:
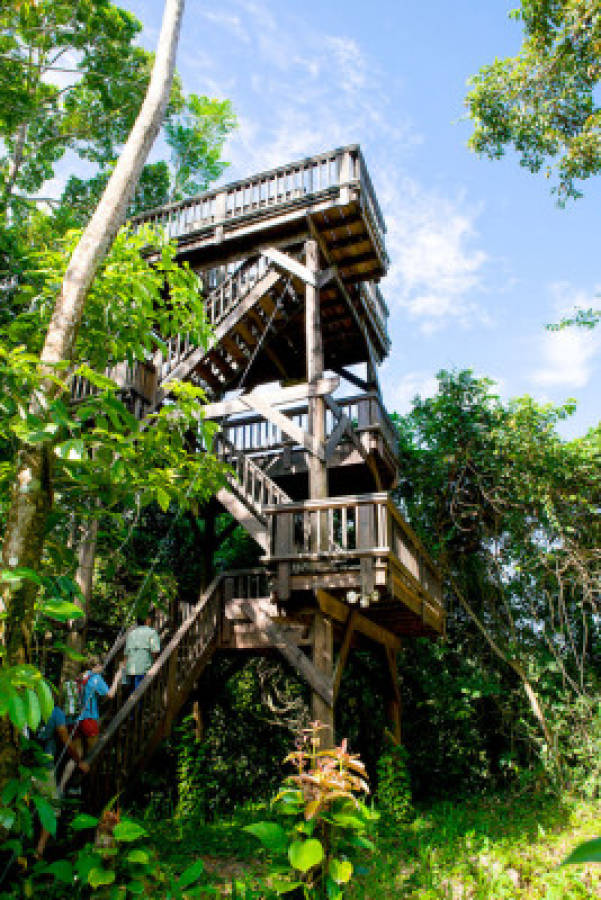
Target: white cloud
{"x":567,"y":358}
{"x":401,"y":394}
{"x":437,"y":268}
{"x":231,"y":23}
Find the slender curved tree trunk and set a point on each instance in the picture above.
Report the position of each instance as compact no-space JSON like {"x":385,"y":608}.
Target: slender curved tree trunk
{"x":514,"y":665}
{"x":31,"y":497}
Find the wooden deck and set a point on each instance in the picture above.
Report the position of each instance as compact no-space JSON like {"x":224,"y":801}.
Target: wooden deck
{"x":333,"y":189}
{"x":361,"y":549}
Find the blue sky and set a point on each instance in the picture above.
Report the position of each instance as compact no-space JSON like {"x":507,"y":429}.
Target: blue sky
{"x":481,"y":256}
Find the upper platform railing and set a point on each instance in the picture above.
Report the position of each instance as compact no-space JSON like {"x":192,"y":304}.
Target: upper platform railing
{"x":307,"y":179}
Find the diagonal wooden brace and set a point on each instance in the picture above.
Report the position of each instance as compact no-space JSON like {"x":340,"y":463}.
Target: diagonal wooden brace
{"x":291,"y":652}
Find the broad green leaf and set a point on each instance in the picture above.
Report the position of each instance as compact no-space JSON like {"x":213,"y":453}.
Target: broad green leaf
{"x":281,"y":886}
{"x":588,"y":852}
{"x":99,"y":876}
{"x":20,"y":572}
{"x":46,"y":812}
{"x":83,"y":820}
{"x":45,"y":697}
{"x":16,"y":710}
{"x":135,"y":887}
{"x":303,"y":855}
{"x":138,"y":856}
{"x":62,"y":871}
{"x":128,"y":831}
{"x":340,"y":870}
{"x":191,"y":874}
{"x":61,"y":610}
{"x":32,"y":709}
{"x":270,"y":834}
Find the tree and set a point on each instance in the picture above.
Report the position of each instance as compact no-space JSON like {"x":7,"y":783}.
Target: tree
{"x":72,"y":78}
{"x":544,"y":102}
{"x":31,"y":496}
{"x":510,"y":509}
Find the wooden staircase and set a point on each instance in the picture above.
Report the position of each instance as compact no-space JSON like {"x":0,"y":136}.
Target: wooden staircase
{"x":146,"y":717}
{"x":251,"y":489}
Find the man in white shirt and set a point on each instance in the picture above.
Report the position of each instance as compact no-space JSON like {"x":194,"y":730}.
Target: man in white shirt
{"x":142,"y":646}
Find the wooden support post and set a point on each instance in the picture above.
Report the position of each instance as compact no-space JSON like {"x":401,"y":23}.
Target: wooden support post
{"x":344,"y":652}
{"x":198,"y":717}
{"x":323,"y":658}
{"x":318,"y":476}
{"x":393,"y":705}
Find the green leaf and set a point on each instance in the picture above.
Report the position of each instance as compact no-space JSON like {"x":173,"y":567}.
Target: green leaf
{"x":62,"y":871}
{"x":135,"y":887}
{"x":340,"y":870}
{"x":32,"y":709}
{"x":270,"y":834}
{"x":45,"y":697}
{"x":128,"y":831}
{"x":46,"y":812}
{"x":191,"y":874}
{"x":281,"y":886}
{"x":61,"y":610}
{"x":138,"y":856}
{"x":590,"y":851}
{"x":163,"y":498}
{"x":98,"y":876}
{"x":82,"y":821}
{"x":7,"y":819}
{"x":16,"y":710}
{"x":303,"y":855}
{"x":69,"y":652}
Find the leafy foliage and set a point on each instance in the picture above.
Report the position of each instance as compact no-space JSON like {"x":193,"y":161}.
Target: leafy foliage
{"x":330,"y":821}
{"x":394,"y":786}
{"x":544,"y":100}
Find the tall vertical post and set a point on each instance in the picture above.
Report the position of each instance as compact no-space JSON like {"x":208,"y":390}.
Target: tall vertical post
{"x":323,"y":659}
{"x":323,"y":646}
{"x":318,"y":476}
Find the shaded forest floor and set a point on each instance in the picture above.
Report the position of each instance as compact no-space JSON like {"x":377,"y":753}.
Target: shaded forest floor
{"x":489,"y":848}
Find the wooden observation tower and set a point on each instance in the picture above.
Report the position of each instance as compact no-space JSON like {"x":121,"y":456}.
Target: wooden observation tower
{"x":290,"y":260}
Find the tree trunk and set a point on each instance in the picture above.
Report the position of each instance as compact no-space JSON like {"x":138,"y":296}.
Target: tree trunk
{"x":534,"y":702}
{"x":15,"y":163}
{"x":86,"y":554}
{"x":31,"y":496}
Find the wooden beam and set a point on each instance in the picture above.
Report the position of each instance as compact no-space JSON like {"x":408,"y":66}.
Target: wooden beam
{"x":353,"y":379}
{"x":325,"y":275}
{"x":287,"y":426}
{"x":336,"y":436}
{"x":317,"y":681}
{"x":283,"y":396}
{"x":344,"y":651}
{"x":241,"y":512}
{"x":338,"y":610}
{"x":291,"y":265}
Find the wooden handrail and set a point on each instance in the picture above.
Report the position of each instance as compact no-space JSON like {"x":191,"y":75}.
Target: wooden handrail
{"x":152,"y":673}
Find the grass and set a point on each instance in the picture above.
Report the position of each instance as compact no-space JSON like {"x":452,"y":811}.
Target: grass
{"x":491,"y":848}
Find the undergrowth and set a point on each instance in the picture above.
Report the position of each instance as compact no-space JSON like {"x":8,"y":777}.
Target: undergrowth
{"x":488,"y":848}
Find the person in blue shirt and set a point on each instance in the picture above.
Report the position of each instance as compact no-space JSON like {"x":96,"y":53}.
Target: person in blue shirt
{"x":88,"y":724}
{"x":55,"y":740}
